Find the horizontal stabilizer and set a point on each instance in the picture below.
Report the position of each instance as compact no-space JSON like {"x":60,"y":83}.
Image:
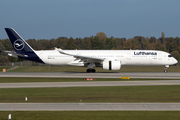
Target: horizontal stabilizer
{"x":14,"y":54}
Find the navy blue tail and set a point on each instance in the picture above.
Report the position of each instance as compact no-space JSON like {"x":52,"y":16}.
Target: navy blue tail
{"x":21,"y":47}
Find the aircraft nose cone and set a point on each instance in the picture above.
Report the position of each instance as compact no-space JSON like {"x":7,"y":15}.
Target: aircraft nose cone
{"x":175,"y":61}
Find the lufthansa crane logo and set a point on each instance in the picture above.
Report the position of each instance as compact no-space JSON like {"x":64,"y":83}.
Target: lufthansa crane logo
{"x":18,"y":44}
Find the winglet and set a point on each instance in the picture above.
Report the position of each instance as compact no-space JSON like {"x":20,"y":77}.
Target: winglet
{"x":61,"y":51}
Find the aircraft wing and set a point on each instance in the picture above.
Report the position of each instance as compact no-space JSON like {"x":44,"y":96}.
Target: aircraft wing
{"x":82,"y":58}
{"x":14,"y":54}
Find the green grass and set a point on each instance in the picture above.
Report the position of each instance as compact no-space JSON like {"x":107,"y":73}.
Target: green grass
{"x":4,"y":67}
{"x":83,"y":69}
{"x":124,"y":94}
{"x":49,"y":69}
{"x":92,"y":115}
{"x":24,"y":80}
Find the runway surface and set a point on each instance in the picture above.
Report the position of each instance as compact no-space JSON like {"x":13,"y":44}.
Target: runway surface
{"x":89,"y":106}
{"x":89,"y":84}
{"x":156,"y":75}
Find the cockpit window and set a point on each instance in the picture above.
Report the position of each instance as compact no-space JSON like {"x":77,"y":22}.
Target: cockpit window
{"x":170,"y":56}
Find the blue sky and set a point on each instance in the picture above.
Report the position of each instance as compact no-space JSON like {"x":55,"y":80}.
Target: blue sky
{"x":46,"y":19}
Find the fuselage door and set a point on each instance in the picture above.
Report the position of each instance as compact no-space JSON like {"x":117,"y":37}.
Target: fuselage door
{"x":160,"y":56}
{"x":128,"y":56}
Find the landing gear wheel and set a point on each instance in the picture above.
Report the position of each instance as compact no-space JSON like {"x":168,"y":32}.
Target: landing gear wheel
{"x":165,"y":70}
{"x":93,"y":70}
{"x":90,"y":70}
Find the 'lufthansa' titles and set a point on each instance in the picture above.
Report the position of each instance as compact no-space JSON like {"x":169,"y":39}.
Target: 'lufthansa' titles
{"x":145,"y":53}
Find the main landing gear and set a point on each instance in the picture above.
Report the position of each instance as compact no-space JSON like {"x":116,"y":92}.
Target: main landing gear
{"x":91,"y":70}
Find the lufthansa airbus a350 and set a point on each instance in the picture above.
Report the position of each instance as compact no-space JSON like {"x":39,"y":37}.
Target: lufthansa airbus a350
{"x":107,"y":59}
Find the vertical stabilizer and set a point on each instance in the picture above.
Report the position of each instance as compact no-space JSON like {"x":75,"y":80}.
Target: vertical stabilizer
{"x":18,"y":43}
{"x":21,"y":47}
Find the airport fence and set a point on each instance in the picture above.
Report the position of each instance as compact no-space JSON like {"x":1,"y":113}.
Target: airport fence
{"x":23,"y":63}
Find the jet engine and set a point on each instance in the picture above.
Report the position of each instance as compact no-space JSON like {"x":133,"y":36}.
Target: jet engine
{"x":111,"y":65}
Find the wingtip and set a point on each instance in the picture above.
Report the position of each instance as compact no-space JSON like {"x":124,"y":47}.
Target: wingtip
{"x":58,"y":49}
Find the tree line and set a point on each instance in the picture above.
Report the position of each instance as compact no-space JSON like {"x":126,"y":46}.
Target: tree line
{"x":98,"y":42}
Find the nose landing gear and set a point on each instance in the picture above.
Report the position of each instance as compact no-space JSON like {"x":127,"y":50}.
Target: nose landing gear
{"x":165,"y":70}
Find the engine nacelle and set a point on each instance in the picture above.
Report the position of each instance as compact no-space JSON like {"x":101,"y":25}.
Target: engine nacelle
{"x":111,"y":65}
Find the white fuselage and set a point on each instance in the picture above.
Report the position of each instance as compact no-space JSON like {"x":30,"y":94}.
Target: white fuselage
{"x":127,"y":57}
{"x":107,"y":59}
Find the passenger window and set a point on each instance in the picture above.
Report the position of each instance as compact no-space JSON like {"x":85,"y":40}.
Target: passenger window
{"x":170,"y":56}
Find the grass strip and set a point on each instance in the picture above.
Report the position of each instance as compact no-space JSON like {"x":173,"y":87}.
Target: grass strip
{"x":4,"y":67}
{"x":91,"y":115}
{"x":124,"y":94}
{"x":99,"y":69}
{"x":25,"y":80}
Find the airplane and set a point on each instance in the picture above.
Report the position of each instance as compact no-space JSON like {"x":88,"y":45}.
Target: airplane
{"x":107,"y":59}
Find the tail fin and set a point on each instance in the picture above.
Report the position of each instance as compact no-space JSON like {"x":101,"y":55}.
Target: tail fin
{"x":18,"y":43}
{"x":22,"y":48}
